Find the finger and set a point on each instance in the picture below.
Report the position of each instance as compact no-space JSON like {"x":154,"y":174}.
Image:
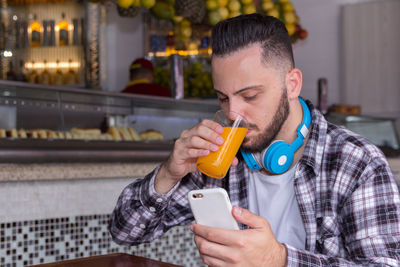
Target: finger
{"x":213,"y":125}
{"x":212,"y":262}
{"x":207,"y":129}
{"x":235,"y":161}
{"x":216,"y":235}
{"x":184,"y":148}
{"x":209,"y":134}
{"x":198,"y":142}
{"x":211,"y":251}
{"x":194,"y":153}
{"x":248,"y":218}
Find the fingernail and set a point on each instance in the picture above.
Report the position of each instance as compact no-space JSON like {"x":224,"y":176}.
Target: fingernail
{"x":191,"y":228}
{"x":237,"y":211}
{"x":205,"y":152}
{"x":220,"y":129}
{"x":220,"y":140}
{"x":214,"y":148}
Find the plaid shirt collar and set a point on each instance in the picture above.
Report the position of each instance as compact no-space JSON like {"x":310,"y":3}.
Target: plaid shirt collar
{"x":314,"y":149}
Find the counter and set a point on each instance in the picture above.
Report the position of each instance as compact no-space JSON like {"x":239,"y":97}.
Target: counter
{"x":73,"y":171}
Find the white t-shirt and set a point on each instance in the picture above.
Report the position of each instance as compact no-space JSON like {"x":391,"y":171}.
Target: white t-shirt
{"x":273,"y":198}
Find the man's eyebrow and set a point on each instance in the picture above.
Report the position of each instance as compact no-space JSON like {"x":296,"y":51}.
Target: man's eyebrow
{"x":241,"y":90}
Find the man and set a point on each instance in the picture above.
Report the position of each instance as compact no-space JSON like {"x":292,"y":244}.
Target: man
{"x":337,"y":204}
{"x":141,"y":73}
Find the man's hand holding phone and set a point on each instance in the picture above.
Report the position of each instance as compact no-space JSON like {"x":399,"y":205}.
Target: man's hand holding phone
{"x":256,"y":246}
{"x":212,"y":207}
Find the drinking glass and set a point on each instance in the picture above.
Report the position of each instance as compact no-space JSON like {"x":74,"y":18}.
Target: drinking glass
{"x":216,"y":164}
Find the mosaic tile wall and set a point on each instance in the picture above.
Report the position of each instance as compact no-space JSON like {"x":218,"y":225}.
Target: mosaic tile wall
{"x":42,"y":241}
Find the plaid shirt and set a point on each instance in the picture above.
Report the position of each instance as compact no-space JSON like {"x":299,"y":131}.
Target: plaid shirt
{"x":347,"y":196}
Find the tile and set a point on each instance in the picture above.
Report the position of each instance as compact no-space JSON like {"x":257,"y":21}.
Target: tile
{"x":54,"y":239}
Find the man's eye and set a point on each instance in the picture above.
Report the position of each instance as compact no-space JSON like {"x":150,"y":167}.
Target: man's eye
{"x":222,"y":99}
{"x":248,"y":98}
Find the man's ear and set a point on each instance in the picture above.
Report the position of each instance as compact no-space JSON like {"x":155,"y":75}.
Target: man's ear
{"x":294,"y":82}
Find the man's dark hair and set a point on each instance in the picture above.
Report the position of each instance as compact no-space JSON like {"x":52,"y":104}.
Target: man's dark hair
{"x":233,"y":34}
{"x":139,"y":73}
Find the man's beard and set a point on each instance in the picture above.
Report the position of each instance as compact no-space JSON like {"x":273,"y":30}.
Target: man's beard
{"x":264,"y":139}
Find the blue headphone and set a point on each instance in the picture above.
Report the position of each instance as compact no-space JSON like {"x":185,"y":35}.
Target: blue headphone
{"x":278,"y":156}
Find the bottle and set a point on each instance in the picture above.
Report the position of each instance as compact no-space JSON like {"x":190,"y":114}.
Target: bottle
{"x":71,"y":76}
{"x":323,"y":95}
{"x":57,"y":78}
{"x":11,"y":75}
{"x":25,"y":37}
{"x":36,"y":30}
{"x":4,"y":33}
{"x":52,"y":38}
{"x":45,"y":33}
{"x":63,"y":31}
{"x":75,"y":35}
{"x":45,"y":77}
{"x":21,"y":73}
{"x":32,"y":76}
{"x":17,"y":29}
{"x":83,"y":31}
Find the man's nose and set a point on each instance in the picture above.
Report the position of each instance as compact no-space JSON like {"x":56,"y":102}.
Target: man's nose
{"x":232,"y":115}
{"x":233,"y":110}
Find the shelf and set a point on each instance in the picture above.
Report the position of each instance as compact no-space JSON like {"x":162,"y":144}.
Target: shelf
{"x":73,"y":151}
{"x":25,"y":95}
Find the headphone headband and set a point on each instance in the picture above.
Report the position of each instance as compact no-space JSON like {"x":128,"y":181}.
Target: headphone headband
{"x":305,"y":124}
{"x":302,"y":130}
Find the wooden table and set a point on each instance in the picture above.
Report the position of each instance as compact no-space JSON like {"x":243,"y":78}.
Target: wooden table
{"x":110,"y":260}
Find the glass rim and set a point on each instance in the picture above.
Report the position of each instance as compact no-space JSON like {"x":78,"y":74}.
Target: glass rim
{"x":221,"y":117}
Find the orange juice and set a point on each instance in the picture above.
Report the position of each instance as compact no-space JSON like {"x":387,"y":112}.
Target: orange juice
{"x":216,"y":164}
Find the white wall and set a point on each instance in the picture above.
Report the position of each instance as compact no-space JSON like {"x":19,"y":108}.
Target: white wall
{"x":54,"y":199}
{"x":317,"y":56}
{"x":123,"y":44}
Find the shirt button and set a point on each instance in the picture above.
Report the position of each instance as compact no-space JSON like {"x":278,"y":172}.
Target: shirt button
{"x":152,"y":209}
{"x":159,"y":200}
{"x":142,"y":226}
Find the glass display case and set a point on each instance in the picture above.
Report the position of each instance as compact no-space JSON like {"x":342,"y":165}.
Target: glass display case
{"x":41,"y":123}
{"x":380,"y":131}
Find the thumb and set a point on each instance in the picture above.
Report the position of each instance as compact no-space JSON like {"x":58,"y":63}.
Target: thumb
{"x":235,"y":161}
{"x":248,"y":218}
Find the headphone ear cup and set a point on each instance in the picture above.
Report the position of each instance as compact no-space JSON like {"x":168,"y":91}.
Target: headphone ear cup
{"x":278,"y":158}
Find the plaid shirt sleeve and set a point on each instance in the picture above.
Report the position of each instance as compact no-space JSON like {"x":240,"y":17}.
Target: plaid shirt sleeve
{"x":142,"y":215}
{"x":368,"y":223}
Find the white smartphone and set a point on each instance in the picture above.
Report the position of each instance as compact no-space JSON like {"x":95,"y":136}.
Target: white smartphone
{"x":212,"y":207}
